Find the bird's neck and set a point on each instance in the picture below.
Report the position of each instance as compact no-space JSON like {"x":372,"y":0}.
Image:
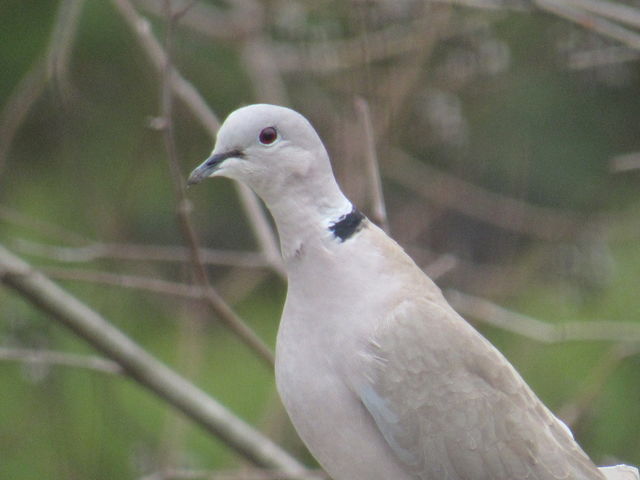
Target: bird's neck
{"x":312,"y":215}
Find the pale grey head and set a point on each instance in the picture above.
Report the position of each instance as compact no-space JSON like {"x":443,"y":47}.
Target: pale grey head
{"x":268,"y":147}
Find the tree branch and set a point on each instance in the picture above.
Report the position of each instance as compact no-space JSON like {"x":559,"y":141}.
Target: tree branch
{"x":49,"y":357}
{"x":493,"y":208}
{"x":142,"y":367}
{"x":497,"y":316}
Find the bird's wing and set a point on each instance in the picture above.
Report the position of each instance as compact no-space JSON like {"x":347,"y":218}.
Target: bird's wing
{"x":452,"y":407}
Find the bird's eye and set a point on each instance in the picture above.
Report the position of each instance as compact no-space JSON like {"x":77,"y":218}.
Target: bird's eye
{"x":268,"y":136}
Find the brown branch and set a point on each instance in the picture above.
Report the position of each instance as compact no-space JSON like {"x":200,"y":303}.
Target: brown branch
{"x":18,"y":105}
{"x":334,"y":56}
{"x":213,"y":299}
{"x":590,"y":21}
{"x":153,"y":285}
{"x":50,"y":230}
{"x":602,"y":56}
{"x":183,"y":89}
{"x":142,"y":367}
{"x":144,"y":253}
{"x":625,"y":163}
{"x":376,"y":194}
{"x":497,"y":316}
{"x":229,"y":24}
{"x":612,"y":10}
{"x":593,"y":386}
{"x":49,"y":357}
{"x":245,"y":474}
{"x":495,"y":209}
{"x":53,"y":64}
{"x":196,"y":104}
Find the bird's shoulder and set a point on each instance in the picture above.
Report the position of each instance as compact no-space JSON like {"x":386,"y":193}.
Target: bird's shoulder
{"x":438,"y":389}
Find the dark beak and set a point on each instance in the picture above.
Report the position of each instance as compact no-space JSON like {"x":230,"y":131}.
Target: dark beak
{"x":210,"y":165}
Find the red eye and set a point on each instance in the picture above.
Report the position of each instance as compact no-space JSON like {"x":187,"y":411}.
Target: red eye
{"x":268,"y":136}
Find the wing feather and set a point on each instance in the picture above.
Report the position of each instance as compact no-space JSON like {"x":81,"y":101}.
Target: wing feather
{"x":452,"y":407}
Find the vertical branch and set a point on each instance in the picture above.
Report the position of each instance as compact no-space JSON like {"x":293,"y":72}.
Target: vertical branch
{"x":222,"y":310}
{"x":376,"y":195}
{"x":199,"y":108}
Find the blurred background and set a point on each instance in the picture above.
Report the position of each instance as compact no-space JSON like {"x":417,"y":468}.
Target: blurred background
{"x":508,"y":143}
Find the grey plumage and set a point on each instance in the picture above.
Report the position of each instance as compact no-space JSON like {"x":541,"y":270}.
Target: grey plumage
{"x":380,"y":376}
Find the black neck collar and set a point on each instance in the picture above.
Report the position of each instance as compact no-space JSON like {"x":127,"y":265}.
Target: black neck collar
{"x":347,"y":225}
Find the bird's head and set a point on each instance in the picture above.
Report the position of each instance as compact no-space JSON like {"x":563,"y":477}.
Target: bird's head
{"x":272,"y":149}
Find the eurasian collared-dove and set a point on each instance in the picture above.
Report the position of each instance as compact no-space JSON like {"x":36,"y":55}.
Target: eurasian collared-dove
{"x":382,"y":379}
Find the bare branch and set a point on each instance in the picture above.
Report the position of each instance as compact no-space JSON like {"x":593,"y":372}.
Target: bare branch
{"x":601,"y":56}
{"x":142,"y":367}
{"x":245,"y":474}
{"x":262,"y":67}
{"x":49,"y":357}
{"x":376,"y":194}
{"x":612,"y":10}
{"x":33,"y":82}
{"x":18,"y":105}
{"x":497,"y":316}
{"x":145,"y":253}
{"x":196,"y":104}
{"x":594,"y":383}
{"x":49,"y":229}
{"x":495,"y":209}
{"x":219,"y":24}
{"x":625,"y":163}
{"x":183,"y":89}
{"x":61,"y":43}
{"x":213,"y":299}
{"x":591,"y":21}
{"x":337,"y":55}
{"x":154,"y":285}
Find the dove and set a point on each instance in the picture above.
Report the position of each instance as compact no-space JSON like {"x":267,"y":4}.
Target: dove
{"x":379,"y":375}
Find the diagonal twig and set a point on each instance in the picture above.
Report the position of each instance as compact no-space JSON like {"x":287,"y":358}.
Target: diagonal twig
{"x":497,"y":316}
{"x":376,"y":194}
{"x":50,"y":357}
{"x":213,"y":299}
{"x":495,"y":209}
{"x":142,"y":367}
{"x":209,"y":121}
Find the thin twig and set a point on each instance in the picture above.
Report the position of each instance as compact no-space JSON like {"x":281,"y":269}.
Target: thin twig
{"x":262,"y":67}
{"x":142,"y":367}
{"x":49,"y":357}
{"x":612,"y":10}
{"x":600,"y":57}
{"x":18,"y":105}
{"x":216,"y":23}
{"x":591,"y":22}
{"x":183,"y":89}
{"x":497,"y":316}
{"x":593,"y":386}
{"x":213,"y":299}
{"x":376,"y":194}
{"x":53,"y":63}
{"x":253,"y":474}
{"x":196,"y":104}
{"x":50,"y":230}
{"x":143,"y":253}
{"x":333,"y":56}
{"x":495,"y":209}
{"x":153,"y":285}
{"x":625,"y":163}
{"x":61,"y":43}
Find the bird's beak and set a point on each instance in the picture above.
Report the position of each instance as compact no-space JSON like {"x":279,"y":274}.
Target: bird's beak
{"x":210,"y":165}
